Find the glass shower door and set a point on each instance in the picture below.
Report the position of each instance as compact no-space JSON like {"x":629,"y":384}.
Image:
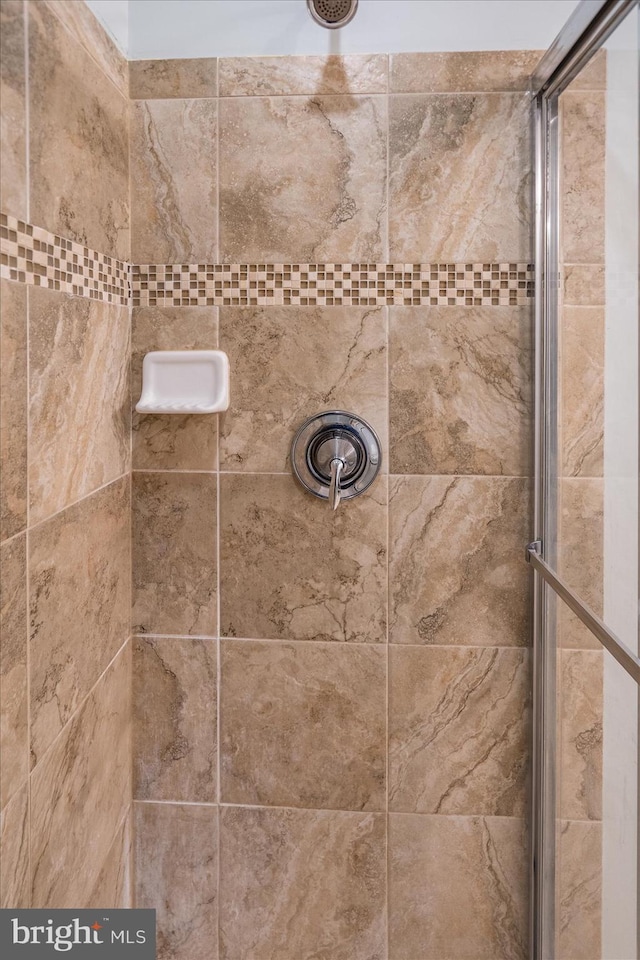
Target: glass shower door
{"x":585,"y":551}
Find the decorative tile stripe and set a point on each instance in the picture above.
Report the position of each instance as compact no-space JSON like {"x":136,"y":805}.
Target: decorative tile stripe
{"x":333,"y":284}
{"x":32,"y":255}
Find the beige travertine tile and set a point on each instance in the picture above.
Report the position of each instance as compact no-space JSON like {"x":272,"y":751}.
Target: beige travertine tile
{"x":175,"y":721}
{"x":486,"y":70}
{"x":582,"y":153}
{"x":580,"y":548}
{"x":174,"y":556}
{"x":583,"y":284}
{"x":306,"y":75}
{"x":291,"y":569}
{"x":13,"y":408}
{"x":15,"y":891}
{"x":466,"y":534}
{"x":291,"y":362}
{"x":14,"y":743}
{"x":457,"y":888}
{"x":458,"y":730}
{"x":302,"y":180}
{"x":301,"y":883}
{"x":173,"y":172}
{"x":81,"y":791}
{"x":79,"y":398}
{"x":79,"y":152}
{"x":303,"y":725}
{"x":460,"y":391}
{"x":580,"y":717}
{"x":85,"y":27}
{"x":177,"y":861}
{"x":173,"y":442}
{"x":594,"y":75}
{"x":579,"y":891}
{"x":113,"y":885}
{"x":79,"y":571}
{"x":581,"y":427}
{"x":460,"y":177}
{"x":13,"y":121}
{"x":173,"y":79}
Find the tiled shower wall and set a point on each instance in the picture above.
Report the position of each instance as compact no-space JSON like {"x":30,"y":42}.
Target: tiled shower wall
{"x":580,"y":506}
{"x":331,"y":710}
{"x":65,"y":496}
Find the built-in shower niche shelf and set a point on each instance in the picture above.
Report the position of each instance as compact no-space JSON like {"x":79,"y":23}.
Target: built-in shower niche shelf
{"x":184,"y":381}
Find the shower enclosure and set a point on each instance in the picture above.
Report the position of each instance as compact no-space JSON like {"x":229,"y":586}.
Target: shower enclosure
{"x":585,"y":548}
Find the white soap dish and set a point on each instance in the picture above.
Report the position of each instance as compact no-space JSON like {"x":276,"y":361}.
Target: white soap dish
{"x":184,"y":381}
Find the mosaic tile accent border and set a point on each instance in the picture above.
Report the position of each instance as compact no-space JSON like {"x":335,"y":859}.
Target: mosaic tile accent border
{"x":34,"y":256}
{"x":333,"y":284}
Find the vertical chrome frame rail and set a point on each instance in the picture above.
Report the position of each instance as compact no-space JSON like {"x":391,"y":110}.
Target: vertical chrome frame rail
{"x":585,"y":31}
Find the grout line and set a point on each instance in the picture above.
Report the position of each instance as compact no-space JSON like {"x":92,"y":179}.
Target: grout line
{"x":123,"y":93}
{"x":330,"y":810}
{"x":74,"y":503}
{"x":217,"y":213}
{"x":27,"y":110}
{"x":365,"y":94}
{"x":27,"y":566}
{"x":80,"y":706}
{"x":14,"y":536}
{"x":218,"y":669}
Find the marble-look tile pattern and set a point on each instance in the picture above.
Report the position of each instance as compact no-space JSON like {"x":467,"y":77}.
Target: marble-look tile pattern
{"x":177,"y":861}
{"x":173,"y":176}
{"x":79,"y":571}
{"x":594,"y":75}
{"x":173,"y":442}
{"x":460,"y":391}
{"x":583,"y":285}
{"x":112,"y":887}
{"x":456,"y":569}
{"x":580,"y":715}
{"x":174,"y":553}
{"x":15,"y":891}
{"x":301,"y":883}
{"x":579,"y":891}
{"x":78,"y":147}
{"x":79,"y":403}
{"x":292,"y":570}
{"x":457,"y":888}
{"x":458,"y":730}
{"x":13,"y":142}
{"x":173,"y":79}
{"x":290,"y":363}
{"x":302,"y":179}
{"x":13,"y":408}
{"x":175,"y":719}
{"x":482,"y":70}
{"x":14,"y":745}
{"x":580,"y":553}
{"x":85,"y":27}
{"x":306,"y":75}
{"x":459,"y":177}
{"x":80,"y":792}
{"x":582,"y":150}
{"x":303,"y":725}
{"x":581,"y":427}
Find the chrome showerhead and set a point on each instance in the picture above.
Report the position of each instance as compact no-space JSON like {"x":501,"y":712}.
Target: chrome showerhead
{"x":332,"y":13}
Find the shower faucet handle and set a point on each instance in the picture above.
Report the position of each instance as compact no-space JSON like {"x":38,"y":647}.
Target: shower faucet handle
{"x":337,"y":466}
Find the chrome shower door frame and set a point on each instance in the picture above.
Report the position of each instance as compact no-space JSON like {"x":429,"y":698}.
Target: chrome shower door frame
{"x":583,"y":34}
